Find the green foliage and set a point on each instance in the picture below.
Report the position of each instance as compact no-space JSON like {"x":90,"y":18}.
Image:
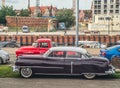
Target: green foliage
{"x":24,"y":12}
{"x":66,"y":16}
{"x":6,"y":11}
{"x":6,"y":72}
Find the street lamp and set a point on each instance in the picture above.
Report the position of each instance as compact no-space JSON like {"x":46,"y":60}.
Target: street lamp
{"x":77,"y":24}
{"x":108,"y":19}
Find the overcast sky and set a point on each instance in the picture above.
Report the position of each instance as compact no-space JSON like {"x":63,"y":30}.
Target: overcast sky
{"x":19,"y":4}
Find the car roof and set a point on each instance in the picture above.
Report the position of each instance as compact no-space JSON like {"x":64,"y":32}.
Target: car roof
{"x":113,"y":47}
{"x":68,"y":48}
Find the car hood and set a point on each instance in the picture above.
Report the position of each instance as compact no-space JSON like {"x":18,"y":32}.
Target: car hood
{"x":27,"y":48}
{"x":3,"y":52}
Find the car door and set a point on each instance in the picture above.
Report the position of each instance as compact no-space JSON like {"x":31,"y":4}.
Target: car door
{"x":43,"y":47}
{"x":73,"y":62}
{"x":53,"y":63}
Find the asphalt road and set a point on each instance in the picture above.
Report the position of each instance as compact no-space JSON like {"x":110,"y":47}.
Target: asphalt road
{"x":58,"y":82}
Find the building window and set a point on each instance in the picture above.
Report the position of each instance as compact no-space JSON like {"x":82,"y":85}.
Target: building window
{"x":117,"y":1}
{"x":105,"y":6}
{"x":100,"y":18}
{"x":95,"y":7}
{"x":117,"y":6}
{"x":111,"y":6}
{"x":108,"y":18}
{"x":99,"y":2}
{"x":111,"y":1}
{"x":105,"y":1}
{"x":95,"y":2}
{"x":99,"y":6}
{"x":95,"y":11}
{"x":105,"y":11}
{"x":111,"y":11}
{"x":117,"y":11}
{"x":99,"y":11}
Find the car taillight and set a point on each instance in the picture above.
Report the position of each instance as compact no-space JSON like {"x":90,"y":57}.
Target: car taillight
{"x":103,"y":54}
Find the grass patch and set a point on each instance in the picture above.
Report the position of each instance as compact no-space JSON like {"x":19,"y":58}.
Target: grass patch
{"x":116,"y":75}
{"x":6,"y":72}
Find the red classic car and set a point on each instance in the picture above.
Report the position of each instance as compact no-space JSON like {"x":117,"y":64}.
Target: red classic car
{"x":40,"y":46}
{"x":65,"y":61}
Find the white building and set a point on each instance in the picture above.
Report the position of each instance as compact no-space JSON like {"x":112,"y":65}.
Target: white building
{"x":106,"y":15}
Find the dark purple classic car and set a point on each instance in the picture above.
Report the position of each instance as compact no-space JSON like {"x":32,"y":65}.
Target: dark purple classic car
{"x":63,"y":61}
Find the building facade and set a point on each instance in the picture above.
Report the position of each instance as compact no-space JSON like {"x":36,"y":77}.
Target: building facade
{"x":105,"y":15}
{"x":45,"y":11}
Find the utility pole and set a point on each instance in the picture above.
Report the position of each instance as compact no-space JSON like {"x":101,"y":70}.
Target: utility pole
{"x":77,"y":22}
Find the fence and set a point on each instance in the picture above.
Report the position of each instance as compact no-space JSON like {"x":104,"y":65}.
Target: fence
{"x":61,"y":40}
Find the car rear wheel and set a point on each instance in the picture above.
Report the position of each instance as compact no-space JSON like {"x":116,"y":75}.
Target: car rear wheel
{"x":26,"y":72}
{"x":89,"y":76}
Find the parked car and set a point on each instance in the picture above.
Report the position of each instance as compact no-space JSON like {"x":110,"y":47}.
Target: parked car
{"x":65,"y":61}
{"x":11,"y":43}
{"x":91,"y":44}
{"x":40,"y":46}
{"x":4,"y":57}
{"x":110,"y":52}
{"x":25,"y":29}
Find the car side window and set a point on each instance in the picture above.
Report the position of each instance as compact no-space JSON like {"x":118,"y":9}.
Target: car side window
{"x":43,"y":45}
{"x":71,"y":54}
{"x":56,"y":54}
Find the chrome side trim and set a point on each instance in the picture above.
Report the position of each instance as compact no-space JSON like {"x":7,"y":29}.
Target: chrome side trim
{"x":41,"y":67}
{"x":71,"y":67}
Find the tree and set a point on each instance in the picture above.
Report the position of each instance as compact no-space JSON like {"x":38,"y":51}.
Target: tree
{"x":66,"y":16}
{"x":24,"y":12}
{"x":6,"y":11}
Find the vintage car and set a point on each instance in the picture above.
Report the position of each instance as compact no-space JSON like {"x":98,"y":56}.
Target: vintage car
{"x":4,"y":57}
{"x":110,"y":52}
{"x":9,"y":43}
{"x":63,"y":61}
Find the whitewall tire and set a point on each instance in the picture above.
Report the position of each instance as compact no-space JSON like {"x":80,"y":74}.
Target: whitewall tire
{"x":26,"y":72}
{"x":89,"y":76}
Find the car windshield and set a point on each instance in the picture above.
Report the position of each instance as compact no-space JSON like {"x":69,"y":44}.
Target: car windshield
{"x":25,"y":28}
{"x":35,"y":44}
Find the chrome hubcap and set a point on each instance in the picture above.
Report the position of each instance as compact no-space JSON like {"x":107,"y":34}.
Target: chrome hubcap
{"x":26,"y":72}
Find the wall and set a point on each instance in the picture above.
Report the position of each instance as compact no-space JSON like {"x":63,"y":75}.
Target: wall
{"x":67,"y":40}
{"x":15,"y":21}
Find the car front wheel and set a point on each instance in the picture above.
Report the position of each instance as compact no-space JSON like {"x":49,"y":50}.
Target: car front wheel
{"x":26,"y":72}
{"x":89,"y":76}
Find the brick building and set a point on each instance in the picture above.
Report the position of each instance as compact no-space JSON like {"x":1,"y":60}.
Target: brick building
{"x":45,"y":11}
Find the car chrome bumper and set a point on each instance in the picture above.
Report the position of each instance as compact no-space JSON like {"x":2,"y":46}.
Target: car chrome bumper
{"x":15,"y":68}
{"x":111,"y":71}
